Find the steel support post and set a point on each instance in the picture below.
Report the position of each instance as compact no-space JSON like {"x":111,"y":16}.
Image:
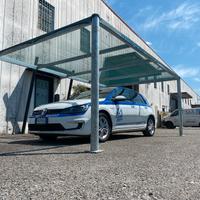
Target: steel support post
{"x":29,"y":98}
{"x":28,"y":102}
{"x":70,"y":89}
{"x":94,"y":140}
{"x":180,"y":107}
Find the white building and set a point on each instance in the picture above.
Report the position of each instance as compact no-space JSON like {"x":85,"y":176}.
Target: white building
{"x":21,"y":20}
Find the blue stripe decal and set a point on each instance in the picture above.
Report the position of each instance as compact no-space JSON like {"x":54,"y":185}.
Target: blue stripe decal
{"x":106,"y":102}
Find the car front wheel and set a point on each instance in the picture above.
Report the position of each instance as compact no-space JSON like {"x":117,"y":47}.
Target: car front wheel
{"x":170,"y":125}
{"x":104,"y":127}
{"x":150,"y":128}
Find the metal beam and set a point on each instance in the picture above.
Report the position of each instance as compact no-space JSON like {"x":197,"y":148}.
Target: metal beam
{"x":17,"y":62}
{"x":94,"y":141}
{"x":70,"y":89}
{"x":59,"y":69}
{"x":180,"y":110}
{"x":31,"y":66}
{"x":112,"y":49}
{"x":64,"y":61}
{"x":54,"y":72}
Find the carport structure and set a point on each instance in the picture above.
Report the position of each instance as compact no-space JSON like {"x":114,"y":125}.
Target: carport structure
{"x":91,"y":51}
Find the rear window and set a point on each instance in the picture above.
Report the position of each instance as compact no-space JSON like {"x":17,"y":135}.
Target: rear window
{"x":139,"y":99}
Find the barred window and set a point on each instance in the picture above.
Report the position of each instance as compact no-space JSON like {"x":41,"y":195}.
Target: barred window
{"x":162,"y":86}
{"x":46,"y":15}
{"x":168,"y":89}
{"x":155,"y":85}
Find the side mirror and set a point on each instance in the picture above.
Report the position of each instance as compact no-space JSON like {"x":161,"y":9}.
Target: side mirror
{"x":119,"y":98}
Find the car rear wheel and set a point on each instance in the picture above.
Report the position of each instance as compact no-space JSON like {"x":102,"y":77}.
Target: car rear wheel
{"x":150,"y":129}
{"x":170,"y":125}
{"x":104,"y":127}
{"x":48,"y":137}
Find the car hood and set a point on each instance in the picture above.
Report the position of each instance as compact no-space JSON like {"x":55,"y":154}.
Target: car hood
{"x":64,"y":104}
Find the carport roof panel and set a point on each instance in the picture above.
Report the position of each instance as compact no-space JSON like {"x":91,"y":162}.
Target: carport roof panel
{"x":66,"y":52}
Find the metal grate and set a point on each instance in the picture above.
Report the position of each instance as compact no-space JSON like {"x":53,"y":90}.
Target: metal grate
{"x":46,"y":14}
{"x":49,"y":112}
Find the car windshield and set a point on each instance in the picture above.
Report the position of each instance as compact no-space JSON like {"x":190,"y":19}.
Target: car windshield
{"x":87,"y":94}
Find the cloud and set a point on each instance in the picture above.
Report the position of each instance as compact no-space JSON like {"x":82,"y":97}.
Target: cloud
{"x":198,"y":44}
{"x":197,"y":79}
{"x":143,"y":11}
{"x":184,"y":16}
{"x":187,"y":72}
{"x":149,"y":43}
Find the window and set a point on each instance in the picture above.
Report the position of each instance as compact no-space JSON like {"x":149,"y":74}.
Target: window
{"x":139,"y":99}
{"x":46,"y":14}
{"x":168,"y":89}
{"x":129,"y":94}
{"x":85,"y":40}
{"x":155,"y":85}
{"x":162,"y":86}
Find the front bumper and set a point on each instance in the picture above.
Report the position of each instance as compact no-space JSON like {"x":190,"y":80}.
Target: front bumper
{"x":60,"y":125}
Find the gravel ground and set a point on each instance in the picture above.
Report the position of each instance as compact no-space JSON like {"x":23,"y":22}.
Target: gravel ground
{"x":131,"y":167}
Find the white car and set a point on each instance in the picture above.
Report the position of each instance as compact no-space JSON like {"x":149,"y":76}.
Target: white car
{"x":120,"y":109}
{"x":191,"y":117}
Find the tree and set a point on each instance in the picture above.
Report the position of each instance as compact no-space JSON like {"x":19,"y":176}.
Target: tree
{"x":77,"y":89}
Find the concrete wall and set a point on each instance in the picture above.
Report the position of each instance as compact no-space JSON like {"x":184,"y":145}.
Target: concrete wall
{"x":18,"y":22}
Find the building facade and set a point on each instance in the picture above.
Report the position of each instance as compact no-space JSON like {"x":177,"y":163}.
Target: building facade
{"x":21,"y":20}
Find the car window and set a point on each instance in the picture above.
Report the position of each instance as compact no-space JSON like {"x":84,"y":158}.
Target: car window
{"x":189,"y":112}
{"x":138,"y":99}
{"x":127,"y":94}
{"x":175,"y":113}
{"x":198,"y":111}
{"x":117,"y":92}
{"x":87,"y":95}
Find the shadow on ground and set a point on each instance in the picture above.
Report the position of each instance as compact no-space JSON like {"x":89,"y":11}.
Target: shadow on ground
{"x":56,"y":144}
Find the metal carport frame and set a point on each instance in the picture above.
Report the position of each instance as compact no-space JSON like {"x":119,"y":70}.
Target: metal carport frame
{"x":110,"y":59}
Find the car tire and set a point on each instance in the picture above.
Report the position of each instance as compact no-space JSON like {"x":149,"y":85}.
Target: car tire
{"x":150,"y":128}
{"x":48,"y":137}
{"x":170,"y":125}
{"x":105,"y":127}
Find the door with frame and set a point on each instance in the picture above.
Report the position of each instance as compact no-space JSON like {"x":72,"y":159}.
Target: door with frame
{"x":43,"y":90}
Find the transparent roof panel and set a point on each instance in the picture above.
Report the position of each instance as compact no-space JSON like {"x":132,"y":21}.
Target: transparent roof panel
{"x":66,"y":52}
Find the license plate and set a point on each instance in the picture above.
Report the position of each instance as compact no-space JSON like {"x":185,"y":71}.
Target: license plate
{"x":42,"y":120}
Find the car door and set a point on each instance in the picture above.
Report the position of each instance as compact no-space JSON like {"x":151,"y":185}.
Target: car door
{"x":126,"y":112}
{"x":143,"y":109}
{"x":190,"y":117}
{"x":174,"y":118}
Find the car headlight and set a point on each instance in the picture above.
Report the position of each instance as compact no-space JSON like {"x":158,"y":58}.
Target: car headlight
{"x":76,"y":109}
